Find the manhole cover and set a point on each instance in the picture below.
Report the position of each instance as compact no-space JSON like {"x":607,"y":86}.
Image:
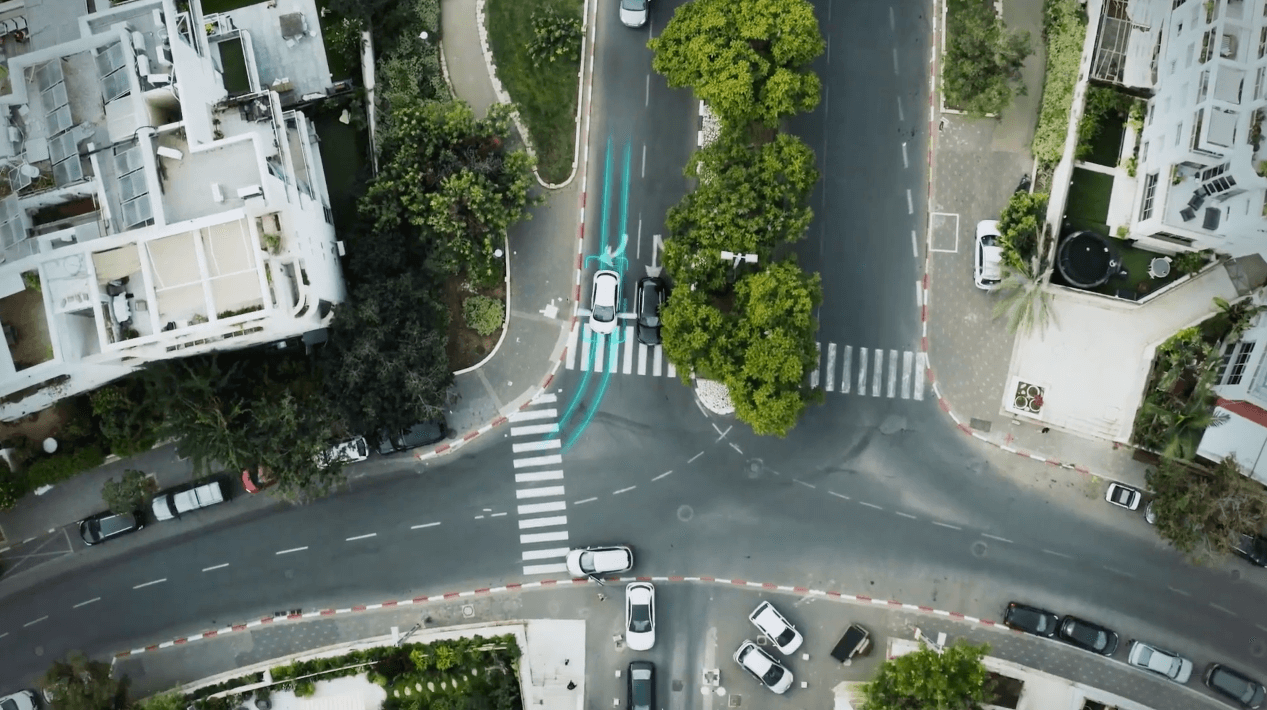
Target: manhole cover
{"x":685,"y":513}
{"x":979,"y":549}
{"x":1257,"y":647}
{"x":735,"y":700}
{"x":678,"y":686}
{"x":979,"y":424}
{"x":755,"y":468}
{"x":468,"y":611}
{"x":1236,"y":575}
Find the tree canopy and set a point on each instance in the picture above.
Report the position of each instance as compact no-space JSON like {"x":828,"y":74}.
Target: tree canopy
{"x":78,"y":683}
{"x":981,"y":71}
{"x":926,"y":680}
{"x":1203,"y":511}
{"x":748,"y":60}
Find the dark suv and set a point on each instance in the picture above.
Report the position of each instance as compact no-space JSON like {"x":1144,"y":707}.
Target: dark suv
{"x":1225,"y":681}
{"x":641,"y":685}
{"x":417,"y":435}
{"x":107,"y":525}
{"x":650,"y":299}
{"x":1031,"y":620}
{"x":1089,"y":636}
{"x":1253,"y":548}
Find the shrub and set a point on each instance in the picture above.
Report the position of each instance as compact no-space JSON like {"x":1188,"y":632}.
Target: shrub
{"x":446,"y":656}
{"x":1019,"y":226}
{"x":1101,"y":103}
{"x":1064,"y":29}
{"x":305,"y":688}
{"x":11,"y":488}
{"x":63,"y":465}
{"x":1190,"y":262}
{"x":982,"y":59}
{"x":554,"y":37}
{"x":129,"y":493}
{"x":484,"y":314}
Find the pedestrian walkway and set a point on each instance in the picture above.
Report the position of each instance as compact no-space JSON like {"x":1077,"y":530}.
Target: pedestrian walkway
{"x":539,"y":488}
{"x":618,"y":352}
{"x":875,"y":372}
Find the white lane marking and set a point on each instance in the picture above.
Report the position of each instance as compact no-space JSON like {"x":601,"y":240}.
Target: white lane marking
{"x":862,"y":371}
{"x":587,"y":345}
{"x":908,"y":360}
{"x":1260,"y":626}
{"x":546,"y":569}
{"x":901,"y":115}
{"x":892,"y":23}
{"x":542,"y":445}
{"x":895,"y":71}
{"x":529,"y":523}
{"x":626,"y":366}
{"x":545,"y":554}
{"x":424,"y":525}
{"x":1115,"y":570}
{"x":642,"y":359}
{"x":845,"y":371}
{"x":657,"y":360}
{"x":893,"y":365}
{"x":914,"y":248}
{"x":839,"y":495}
{"x":947,"y":525}
{"x":670,"y":369}
{"x":870,"y":505}
{"x":366,"y":536}
{"x":921,"y":369}
{"x":545,"y":398}
{"x":831,"y":367}
{"x":530,"y":414}
{"x":803,"y":483}
{"x":1223,"y":609}
{"x":538,"y":461}
{"x":1186,"y":594}
{"x":818,"y":362}
{"x":591,"y":499}
{"x":150,"y":583}
{"x":529,"y":538}
{"x":293,"y":549}
{"x":910,"y":202}
{"x":919,"y":287}
{"x":33,"y":623}
{"x":906,"y":159}
{"x":906,"y":515}
{"x":498,"y":515}
{"x":479,"y":517}
{"x":530,"y":508}
{"x":542,"y":492}
{"x":735,"y":446}
{"x":538,"y":476}
{"x":573,"y":337}
{"x":599,"y":347}
{"x":877,"y":372}
{"x":222,"y":565}
{"x":644,"y":145}
{"x":662,"y":475}
{"x":692,"y":459}
{"x":995,"y":537}
{"x":94,"y":599}
{"x":623,"y":490}
{"x":1058,"y":554}
{"x":534,"y":429}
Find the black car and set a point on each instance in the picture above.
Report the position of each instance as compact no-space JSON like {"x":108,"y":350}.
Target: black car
{"x":1086,"y":635}
{"x":1253,"y":548}
{"x":417,"y":435}
{"x":641,"y":685}
{"x":107,"y":525}
{"x":1225,"y":681}
{"x":1031,"y":620}
{"x":650,"y":298}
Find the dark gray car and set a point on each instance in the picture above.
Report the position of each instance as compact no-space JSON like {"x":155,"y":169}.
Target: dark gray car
{"x":1230,"y":683}
{"x":419,"y":434}
{"x":107,"y":525}
{"x":650,"y":299}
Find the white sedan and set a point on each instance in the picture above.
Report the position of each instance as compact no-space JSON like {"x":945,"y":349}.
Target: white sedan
{"x":604,"y":300}
{"x":763,"y":667}
{"x":594,"y":561}
{"x":1123,"y":496}
{"x":640,"y":616}
{"x":781,"y":633}
{"x":1151,"y":658}
{"x":21,"y":700}
{"x":987,"y":256}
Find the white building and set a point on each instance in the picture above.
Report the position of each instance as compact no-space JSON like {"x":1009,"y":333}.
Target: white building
{"x":156,"y":198}
{"x":1204,"y":66}
{"x":1242,"y":390}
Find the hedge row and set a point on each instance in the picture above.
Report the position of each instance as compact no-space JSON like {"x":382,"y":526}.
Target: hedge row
{"x":1064,"y":29}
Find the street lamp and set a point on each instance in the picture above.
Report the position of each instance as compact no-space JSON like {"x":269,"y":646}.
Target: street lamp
{"x":423,"y":36}
{"x":737,"y":258}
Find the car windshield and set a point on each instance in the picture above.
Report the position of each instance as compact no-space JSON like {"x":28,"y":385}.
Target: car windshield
{"x":8,"y":704}
{"x":772,"y":675}
{"x":604,"y":313}
{"x":640,"y":618}
{"x":641,"y":687}
{"x":634,"y":5}
{"x":786,"y":637}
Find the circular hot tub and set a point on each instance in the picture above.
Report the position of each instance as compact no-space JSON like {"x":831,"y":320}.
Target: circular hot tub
{"x":1086,"y":260}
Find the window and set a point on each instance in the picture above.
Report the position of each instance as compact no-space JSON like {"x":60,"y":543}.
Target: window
{"x":1203,"y":86}
{"x":1177,"y":3}
{"x":1258,"y":82}
{"x":1192,"y":52}
{"x":1173,"y":238}
{"x":1211,"y":173}
{"x":1236,"y":369}
{"x":1207,"y":46}
{"x":1178,"y":134}
{"x":1151,"y":106}
{"x":1225,"y":360}
{"x":1262,"y":42}
{"x":1196,"y":129}
{"x":1150,"y":191}
{"x":1143,"y":153}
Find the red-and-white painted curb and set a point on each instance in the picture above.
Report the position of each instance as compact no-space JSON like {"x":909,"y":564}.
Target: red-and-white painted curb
{"x":580,"y":582}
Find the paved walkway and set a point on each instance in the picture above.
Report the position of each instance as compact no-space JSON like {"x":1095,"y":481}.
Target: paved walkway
{"x":976,"y":167}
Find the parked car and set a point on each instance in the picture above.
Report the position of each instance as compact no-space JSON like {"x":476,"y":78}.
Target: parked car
{"x":419,"y":434}
{"x":1088,"y":636}
{"x":190,"y":496}
{"x":779,"y":630}
{"x":257,"y":479}
{"x":1166,"y":663}
{"x":634,"y":13}
{"x":640,"y":616}
{"x":1253,"y":548}
{"x":641,"y":686}
{"x":650,"y":299}
{"x":604,"y":300}
{"x":1031,"y":620}
{"x":593,"y":561}
{"x":21,"y":700}
{"x":1233,"y":684}
{"x":1123,"y":496}
{"x":108,"y":525}
{"x":763,"y":667}
{"x":987,"y":256}
{"x":351,"y":450}
{"x":1150,"y":514}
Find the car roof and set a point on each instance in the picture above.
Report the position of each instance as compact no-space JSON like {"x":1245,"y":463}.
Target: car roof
{"x":769,"y":618}
{"x":609,"y":557}
{"x":639,"y":593}
{"x":756,"y":661}
{"x":991,"y":262}
{"x":606,"y":293}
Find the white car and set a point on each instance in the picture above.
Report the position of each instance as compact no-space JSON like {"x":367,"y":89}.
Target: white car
{"x":987,"y":256}
{"x":351,"y":451}
{"x":781,"y":633}
{"x":604,"y":301}
{"x":1151,"y":658}
{"x":594,"y":561}
{"x":1123,"y":496}
{"x":21,"y":700}
{"x":633,"y":13}
{"x":763,"y":666}
{"x":640,"y":616}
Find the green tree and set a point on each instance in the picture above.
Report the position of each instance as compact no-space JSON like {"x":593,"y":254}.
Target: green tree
{"x":171,"y":700}
{"x":748,"y":60}
{"x":981,"y":72}
{"x":126,"y":418}
{"x":387,"y":366}
{"x":78,"y":683}
{"x":748,"y":201}
{"x":697,"y":335}
{"x":1023,"y":301}
{"x":130,"y":493}
{"x":1203,"y":510}
{"x":1021,"y":226}
{"x":926,"y":680}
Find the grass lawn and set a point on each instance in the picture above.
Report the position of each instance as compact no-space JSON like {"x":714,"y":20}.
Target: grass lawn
{"x":236,"y":78}
{"x":1107,"y":144}
{"x":546,"y":95}
{"x":1088,"y":205}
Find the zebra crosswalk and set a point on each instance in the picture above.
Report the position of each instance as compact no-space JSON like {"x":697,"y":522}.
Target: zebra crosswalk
{"x":619,"y":352}
{"x":539,"y":489}
{"x":874,"y":372}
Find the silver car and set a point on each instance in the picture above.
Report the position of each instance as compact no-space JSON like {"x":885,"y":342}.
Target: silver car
{"x":1151,"y":658}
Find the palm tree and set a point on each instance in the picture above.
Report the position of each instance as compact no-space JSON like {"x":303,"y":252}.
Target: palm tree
{"x":1023,"y":300}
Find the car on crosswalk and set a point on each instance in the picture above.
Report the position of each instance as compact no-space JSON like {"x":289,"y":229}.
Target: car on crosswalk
{"x":987,"y":256}
{"x":763,"y":667}
{"x":604,"y":300}
{"x":650,"y":299}
{"x":640,"y":616}
{"x":778,"y":629}
{"x":595,"y":561}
